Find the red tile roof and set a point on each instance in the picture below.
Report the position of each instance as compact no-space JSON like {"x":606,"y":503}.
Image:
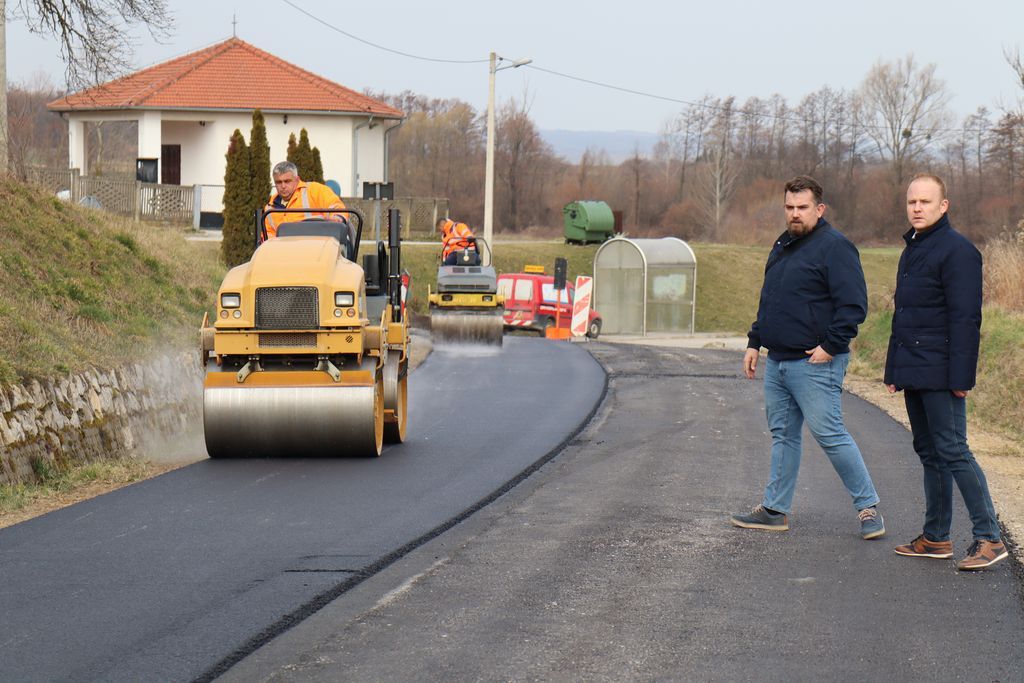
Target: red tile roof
{"x":229,"y":75}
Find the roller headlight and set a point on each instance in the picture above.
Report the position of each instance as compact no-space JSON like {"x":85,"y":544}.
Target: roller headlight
{"x":344,"y":299}
{"x":230,"y":300}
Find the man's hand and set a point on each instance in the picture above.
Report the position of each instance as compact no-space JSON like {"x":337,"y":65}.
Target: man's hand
{"x":891,"y":388}
{"x":818,"y":355}
{"x":959,"y":394}
{"x":750,"y":362}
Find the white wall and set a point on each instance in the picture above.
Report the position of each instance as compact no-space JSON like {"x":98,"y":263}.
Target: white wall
{"x":332,"y":134}
{"x":204,"y":138}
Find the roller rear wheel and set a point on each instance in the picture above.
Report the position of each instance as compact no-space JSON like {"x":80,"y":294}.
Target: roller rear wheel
{"x":396,"y":399}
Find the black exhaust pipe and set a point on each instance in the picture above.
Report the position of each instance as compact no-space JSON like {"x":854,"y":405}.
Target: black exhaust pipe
{"x":395,"y":259}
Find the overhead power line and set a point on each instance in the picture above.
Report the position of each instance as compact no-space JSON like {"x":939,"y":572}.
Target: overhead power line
{"x":380,"y":47}
{"x":789,"y":118}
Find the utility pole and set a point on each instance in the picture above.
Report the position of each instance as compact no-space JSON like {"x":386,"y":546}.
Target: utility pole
{"x":489,"y":174}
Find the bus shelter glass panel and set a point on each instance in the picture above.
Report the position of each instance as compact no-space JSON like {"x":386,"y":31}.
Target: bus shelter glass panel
{"x":669,"y":298}
{"x":619,"y":292}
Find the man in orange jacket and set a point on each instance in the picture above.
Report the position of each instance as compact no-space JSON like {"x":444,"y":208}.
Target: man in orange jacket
{"x":291,"y":192}
{"x":454,"y":237}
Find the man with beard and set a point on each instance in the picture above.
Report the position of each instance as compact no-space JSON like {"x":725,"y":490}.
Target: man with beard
{"x":812,"y":300}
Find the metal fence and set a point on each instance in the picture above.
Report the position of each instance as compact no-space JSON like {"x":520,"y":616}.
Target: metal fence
{"x":176,"y":203}
{"x":419,"y":214}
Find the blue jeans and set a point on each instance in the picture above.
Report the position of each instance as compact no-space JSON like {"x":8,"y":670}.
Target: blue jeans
{"x":938,"y":420}
{"x":794,"y":391}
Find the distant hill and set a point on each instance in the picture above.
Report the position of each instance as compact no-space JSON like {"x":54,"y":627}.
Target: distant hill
{"x":619,"y":144}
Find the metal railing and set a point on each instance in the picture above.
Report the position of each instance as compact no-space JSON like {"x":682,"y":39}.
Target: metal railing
{"x":419,"y":214}
{"x":182,"y":204}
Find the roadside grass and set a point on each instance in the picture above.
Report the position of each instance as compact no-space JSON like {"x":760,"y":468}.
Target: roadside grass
{"x":86,"y":288}
{"x":1004,"y":271}
{"x":57,"y":488}
{"x":728,"y":276}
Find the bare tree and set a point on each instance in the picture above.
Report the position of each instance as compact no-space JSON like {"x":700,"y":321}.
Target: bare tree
{"x":1016,"y":63}
{"x":907,"y":109}
{"x":36,"y":135}
{"x":91,"y":37}
{"x":721,"y":168}
{"x":683,"y":139}
{"x":635,"y":168}
{"x":91,"y":34}
{"x":439,"y":152}
{"x":522,"y":157}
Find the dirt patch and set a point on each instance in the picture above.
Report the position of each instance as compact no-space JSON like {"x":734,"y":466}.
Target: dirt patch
{"x":1001,"y":458}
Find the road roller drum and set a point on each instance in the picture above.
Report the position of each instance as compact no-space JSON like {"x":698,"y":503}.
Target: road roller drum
{"x":466,"y":327}
{"x":302,"y":420}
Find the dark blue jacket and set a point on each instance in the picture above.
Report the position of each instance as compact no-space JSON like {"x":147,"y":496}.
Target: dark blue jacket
{"x":813,"y":293}
{"x":936,"y":325}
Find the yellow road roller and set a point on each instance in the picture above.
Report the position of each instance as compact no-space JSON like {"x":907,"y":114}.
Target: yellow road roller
{"x":466,"y":308}
{"x":308,"y":354}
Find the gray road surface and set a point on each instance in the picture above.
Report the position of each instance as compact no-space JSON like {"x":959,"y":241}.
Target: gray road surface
{"x":175,"y":578}
{"x":616,"y":562}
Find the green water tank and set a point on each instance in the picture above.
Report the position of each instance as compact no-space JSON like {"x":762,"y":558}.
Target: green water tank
{"x":587,"y":221}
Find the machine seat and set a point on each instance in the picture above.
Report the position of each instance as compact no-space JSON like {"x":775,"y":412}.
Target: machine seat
{"x":321,"y":227}
{"x":467,"y":257}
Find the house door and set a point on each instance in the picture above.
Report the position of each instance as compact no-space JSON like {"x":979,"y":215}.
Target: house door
{"x":170,"y":164}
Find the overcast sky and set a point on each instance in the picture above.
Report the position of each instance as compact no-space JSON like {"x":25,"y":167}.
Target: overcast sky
{"x":679,"y":50}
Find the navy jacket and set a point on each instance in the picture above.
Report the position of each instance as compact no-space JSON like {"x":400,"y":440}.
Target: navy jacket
{"x":813,"y":293}
{"x":936,"y":325}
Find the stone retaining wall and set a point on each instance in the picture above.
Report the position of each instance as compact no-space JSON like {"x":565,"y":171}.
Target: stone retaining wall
{"x":95,"y":415}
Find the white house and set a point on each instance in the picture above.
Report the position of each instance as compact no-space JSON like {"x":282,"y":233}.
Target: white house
{"x":187,"y":109}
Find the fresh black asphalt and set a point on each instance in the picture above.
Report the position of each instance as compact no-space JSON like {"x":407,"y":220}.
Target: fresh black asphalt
{"x":176,"y":578}
{"x":616,"y":561}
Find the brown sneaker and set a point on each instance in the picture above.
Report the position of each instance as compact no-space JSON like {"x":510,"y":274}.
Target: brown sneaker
{"x":922,"y":547}
{"x":983,"y":554}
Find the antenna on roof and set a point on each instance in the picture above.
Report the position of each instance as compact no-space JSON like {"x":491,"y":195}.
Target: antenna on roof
{"x":234,"y":26}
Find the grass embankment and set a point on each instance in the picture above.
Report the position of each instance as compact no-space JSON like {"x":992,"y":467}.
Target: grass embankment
{"x":84,"y":288}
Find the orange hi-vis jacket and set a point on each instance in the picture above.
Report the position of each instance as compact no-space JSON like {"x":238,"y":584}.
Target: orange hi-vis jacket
{"x":455,"y":236}
{"x":311,"y":195}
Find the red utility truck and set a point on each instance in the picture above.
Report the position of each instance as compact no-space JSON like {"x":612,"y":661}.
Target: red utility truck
{"x":531,"y":300}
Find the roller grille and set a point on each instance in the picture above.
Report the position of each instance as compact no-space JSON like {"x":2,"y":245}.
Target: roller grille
{"x":291,"y":340}
{"x":287,"y":308}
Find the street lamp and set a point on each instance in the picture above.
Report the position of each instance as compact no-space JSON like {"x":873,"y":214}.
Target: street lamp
{"x":489,"y":175}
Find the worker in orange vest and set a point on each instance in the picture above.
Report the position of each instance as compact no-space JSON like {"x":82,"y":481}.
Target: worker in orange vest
{"x":454,"y":237}
{"x":291,"y":192}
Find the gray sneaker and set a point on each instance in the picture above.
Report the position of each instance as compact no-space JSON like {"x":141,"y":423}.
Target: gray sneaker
{"x":761,"y":518}
{"x":871,"y":523}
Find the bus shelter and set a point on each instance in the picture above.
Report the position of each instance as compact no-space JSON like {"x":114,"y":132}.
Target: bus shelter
{"x":645,"y":285}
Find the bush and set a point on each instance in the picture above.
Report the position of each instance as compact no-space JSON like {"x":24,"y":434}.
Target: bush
{"x":237,"y":244}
